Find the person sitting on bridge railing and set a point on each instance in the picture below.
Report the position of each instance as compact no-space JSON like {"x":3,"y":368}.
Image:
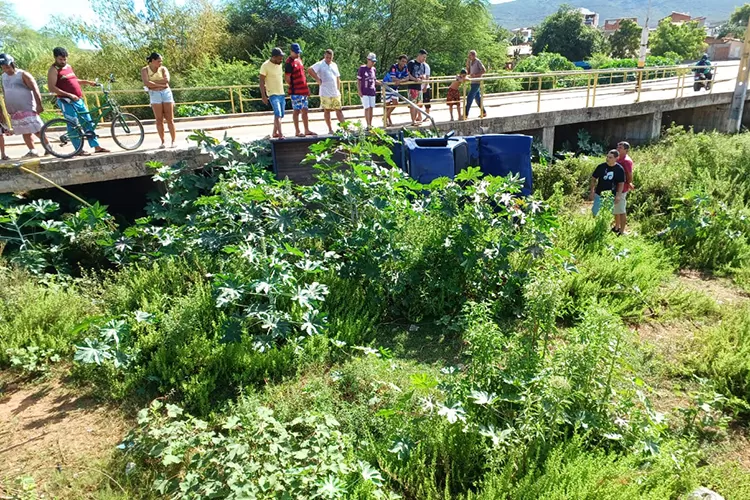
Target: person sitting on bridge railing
{"x":63,"y":82}
{"x":155,"y":77}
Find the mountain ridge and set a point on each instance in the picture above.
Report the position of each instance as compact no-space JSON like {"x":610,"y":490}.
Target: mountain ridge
{"x":524,"y":13}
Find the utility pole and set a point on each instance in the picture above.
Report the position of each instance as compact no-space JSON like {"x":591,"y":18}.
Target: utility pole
{"x":740,"y":88}
{"x":644,"y":39}
{"x":642,"y":55}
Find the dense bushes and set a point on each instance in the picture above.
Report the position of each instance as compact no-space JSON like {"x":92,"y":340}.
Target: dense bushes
{"x":368,"y":335}
{"x":722,"y":353}
{"x":43,"y":316}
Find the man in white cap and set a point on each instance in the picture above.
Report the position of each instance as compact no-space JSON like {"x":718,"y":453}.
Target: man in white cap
{"x":366,"y":80}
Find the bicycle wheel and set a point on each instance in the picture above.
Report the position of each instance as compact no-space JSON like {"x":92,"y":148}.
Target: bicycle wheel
{"x":60,"y":136}
{"x":127,"y":131}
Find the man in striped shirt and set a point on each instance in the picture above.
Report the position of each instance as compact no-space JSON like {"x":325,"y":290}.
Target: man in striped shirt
{"x":294,"y":75}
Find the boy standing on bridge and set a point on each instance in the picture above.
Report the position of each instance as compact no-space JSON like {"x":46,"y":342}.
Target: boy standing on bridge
{"x":294,"y":75}
{"x":454,"y":96}
{"x":272,"y":88}
{"x":366,"y":80}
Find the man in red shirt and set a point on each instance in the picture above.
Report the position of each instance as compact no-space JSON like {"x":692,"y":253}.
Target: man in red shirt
{"x":623,"y":148}
{"x":63,"y":82}
{"x":294,"y":75}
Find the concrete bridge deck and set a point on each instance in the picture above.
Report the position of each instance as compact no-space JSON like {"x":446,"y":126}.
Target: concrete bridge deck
{"x":614,"y":113}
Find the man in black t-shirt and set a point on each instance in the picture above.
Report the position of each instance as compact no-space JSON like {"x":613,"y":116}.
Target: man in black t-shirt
{"x":609,"y":176}
{"x":417,"y":70}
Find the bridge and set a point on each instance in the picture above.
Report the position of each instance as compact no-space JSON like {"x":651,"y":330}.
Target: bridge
{"x":610,"y":110}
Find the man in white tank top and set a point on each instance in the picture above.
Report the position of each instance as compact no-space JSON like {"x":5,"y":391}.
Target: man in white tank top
{"x":22,"y":101}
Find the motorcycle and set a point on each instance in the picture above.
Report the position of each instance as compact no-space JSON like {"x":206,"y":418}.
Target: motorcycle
{"x":702,"y":80}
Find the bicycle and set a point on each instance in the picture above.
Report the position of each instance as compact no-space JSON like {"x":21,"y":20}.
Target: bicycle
{"x":64,"y":138}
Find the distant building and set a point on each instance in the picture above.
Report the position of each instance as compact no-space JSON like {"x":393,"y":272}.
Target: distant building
{"x":590,"y":18}
{"x":522,"y":35}
{"x":612,"y":25}
{"x":680,"y":18}
{"x":724,"y":49}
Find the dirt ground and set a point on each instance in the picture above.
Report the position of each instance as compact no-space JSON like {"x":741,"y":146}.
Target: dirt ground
{"x":51,"y":431}
{"x":721,"y":289}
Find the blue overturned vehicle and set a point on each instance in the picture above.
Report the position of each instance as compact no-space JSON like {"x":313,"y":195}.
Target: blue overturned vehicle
{"x":426,"y":159}
{"x":495,"y":154}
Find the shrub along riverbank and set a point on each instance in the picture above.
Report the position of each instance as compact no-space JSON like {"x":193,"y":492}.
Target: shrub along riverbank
{"x":369,"y":337}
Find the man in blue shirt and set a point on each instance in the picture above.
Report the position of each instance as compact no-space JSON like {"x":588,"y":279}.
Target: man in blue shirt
{"x":396,"y":75}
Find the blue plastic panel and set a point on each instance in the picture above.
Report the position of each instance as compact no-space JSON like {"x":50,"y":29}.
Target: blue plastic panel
{"x":432,"y":158}
{"x":504,"y":154}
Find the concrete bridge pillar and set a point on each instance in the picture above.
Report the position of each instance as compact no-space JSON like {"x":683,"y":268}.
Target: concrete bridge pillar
{"x":548,"y":139}
{"x":655,"y":132}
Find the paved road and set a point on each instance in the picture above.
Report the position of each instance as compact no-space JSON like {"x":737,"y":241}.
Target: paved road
{"x":247,"y":127}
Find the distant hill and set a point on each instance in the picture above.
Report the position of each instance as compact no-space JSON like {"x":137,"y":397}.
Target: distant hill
{"x":524,"y":13}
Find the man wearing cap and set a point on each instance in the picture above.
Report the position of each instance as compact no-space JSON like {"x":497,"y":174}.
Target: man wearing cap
{"x":417,"y":70}
{"x":63,"y":82}
{"x":23,"y":102}
{"x":294,"y":75}
{"x":272,"y":88}
{"x":326,"y":73}
{"x":366,"y":80}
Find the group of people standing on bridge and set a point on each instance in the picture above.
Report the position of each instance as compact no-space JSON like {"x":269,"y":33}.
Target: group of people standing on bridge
{"x":23,"y":100}
{"x":414,"y":73}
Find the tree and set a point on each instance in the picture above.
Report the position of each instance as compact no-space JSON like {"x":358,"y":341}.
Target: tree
{"x":254,"y":23}
{"x":447,"y":29}
{"x":564,"y":33}
{"x":740,"y":15}
{"x":737,"y":23}
{"x":185,"y":34}
{"x":685,"y":40}
{"x":626,"y":41}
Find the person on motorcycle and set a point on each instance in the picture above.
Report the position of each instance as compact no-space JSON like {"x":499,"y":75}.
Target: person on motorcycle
{"x":704,"y":66}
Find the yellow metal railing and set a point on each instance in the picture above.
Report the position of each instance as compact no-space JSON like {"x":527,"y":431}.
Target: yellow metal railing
{"x":238,"y":98}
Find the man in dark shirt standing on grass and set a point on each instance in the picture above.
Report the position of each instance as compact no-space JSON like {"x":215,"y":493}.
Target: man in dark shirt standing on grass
{"x":609,"y":176}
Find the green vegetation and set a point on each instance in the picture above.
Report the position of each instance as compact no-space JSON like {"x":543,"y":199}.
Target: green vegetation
{"x":371,"y":337}
{"x":684,"y":39}
{"x":626,"y":41}
{"x":565,"y":33}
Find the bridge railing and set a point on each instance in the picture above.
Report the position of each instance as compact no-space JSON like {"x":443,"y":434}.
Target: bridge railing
{"x":234,"y":99}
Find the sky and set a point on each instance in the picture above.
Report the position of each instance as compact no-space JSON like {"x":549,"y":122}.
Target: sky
{"x":39,"y":12}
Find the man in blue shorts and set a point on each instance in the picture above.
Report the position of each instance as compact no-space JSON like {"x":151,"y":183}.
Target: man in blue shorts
{"x":294,"y":75}
{"x":272,"y":88}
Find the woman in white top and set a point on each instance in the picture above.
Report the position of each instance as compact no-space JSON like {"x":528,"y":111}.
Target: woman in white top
{"x":156,"y":79}
{"x":23,"y":102}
